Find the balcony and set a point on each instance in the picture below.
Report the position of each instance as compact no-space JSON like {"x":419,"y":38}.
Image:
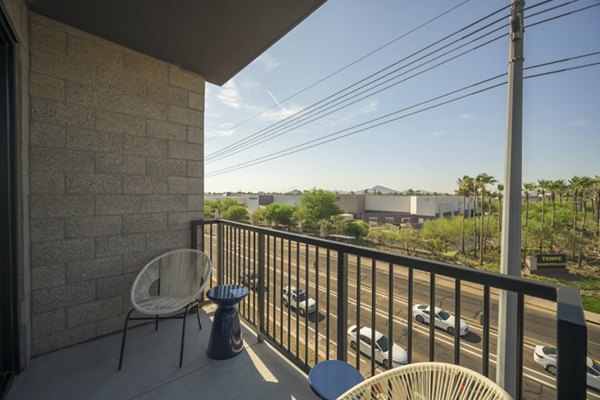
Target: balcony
{"x":351,"y":286}
{"x":150,"y":370}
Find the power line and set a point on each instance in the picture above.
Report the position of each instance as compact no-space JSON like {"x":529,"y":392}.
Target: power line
{"x":353,"y":130}
{"x":297,"y":120}
{"x":241,"y":142}
{"x":327,"y":111}
{"x":429,"y":21}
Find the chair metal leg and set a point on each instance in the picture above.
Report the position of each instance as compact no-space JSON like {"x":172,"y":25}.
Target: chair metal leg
{"x":156,"y":323}
{"x":198,"y":315}
{"x":183,"y":337}
{"x":124,"y":337}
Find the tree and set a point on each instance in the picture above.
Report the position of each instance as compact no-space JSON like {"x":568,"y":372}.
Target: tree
{"x":277,"y":214}
{"x":316,"y":205}
{"x":236,"y":213}
{"x":574,"y":184}
{"x":410,"y":237}
{"x":500,"y":194}
{"x":554,"y":187}
{"x":527,"y":189}
{"x":358,"y":229}
{"x":585,"y":186}
{"x":542,"y":185}
{"x":215,"y":208}
{"x":465,"y":189}
{"x":482,"y":180}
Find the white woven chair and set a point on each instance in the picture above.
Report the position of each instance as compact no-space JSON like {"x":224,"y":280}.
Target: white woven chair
{"x":167,"y":287}
{"x":427,"y":381}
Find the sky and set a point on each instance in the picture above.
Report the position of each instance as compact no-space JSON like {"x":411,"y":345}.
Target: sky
{"x":431,"y":149}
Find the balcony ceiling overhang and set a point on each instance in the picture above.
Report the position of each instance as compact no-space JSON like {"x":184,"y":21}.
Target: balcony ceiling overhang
{"x":214,"y":38}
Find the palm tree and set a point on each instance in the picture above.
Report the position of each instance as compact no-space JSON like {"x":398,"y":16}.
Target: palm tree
{"x":500,"y":188}
{"x":585,"y":186}
{"x":465,"y":186}
{"x":596,"y":187}
{"x":482,"y":180}
{"x":553,"y":187}
{"x":574,"y":184}
{"x":528,"y":188}
{"x":542,"y":185}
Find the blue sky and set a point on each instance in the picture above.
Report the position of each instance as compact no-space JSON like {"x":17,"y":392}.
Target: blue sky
{"x":430,"y":150}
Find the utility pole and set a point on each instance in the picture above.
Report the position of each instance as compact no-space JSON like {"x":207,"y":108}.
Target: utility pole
{"x":510,"y":256}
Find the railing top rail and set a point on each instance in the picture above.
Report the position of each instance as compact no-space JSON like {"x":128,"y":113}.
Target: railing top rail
{"x":514,"y":284}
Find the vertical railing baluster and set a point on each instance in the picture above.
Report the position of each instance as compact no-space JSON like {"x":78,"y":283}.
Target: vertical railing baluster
{"x":261,"y":293}
{"x":410,"y":313}
{"x":281,"y":284}
{"x":390,"y":312}
{"x":268,"y":269}
{"x":571,"y":338}
{"x":221,"y":253}
{"x":317,"y":308}
{"x":357,"y":338}
{"x":289,"y":285}
{"x":194,"y":229}
{"x":274,"y":288}
{"x":306,"y":310}
{"x":431,"y":316}
{"x":486,"y":331}
{"x":327,"y":302}
{"x":373,"y":315}
{"x":342,"y":306}
{"x":210,"y":231}
{"x":259,"y":280}
{"x":520,"y":337}
{"x":457,"y":321}
{"x":298,"y":287}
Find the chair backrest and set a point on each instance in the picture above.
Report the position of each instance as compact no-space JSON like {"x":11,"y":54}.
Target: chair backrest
{"x":427,"y":380}
{"x":180,"y":273}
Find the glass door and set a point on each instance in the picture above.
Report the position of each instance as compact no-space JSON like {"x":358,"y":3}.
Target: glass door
{"x":9,"y":360}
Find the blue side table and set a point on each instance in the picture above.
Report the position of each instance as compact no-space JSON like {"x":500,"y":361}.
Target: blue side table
{"x":332,"y":378}
{"x":226,"y":333}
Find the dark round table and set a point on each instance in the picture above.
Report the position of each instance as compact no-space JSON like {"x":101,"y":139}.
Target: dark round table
{"x":226,"y":333}
{"x":332,"y":378}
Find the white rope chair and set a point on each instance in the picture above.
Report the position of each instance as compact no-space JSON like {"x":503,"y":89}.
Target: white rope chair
{"x":169,"y":284}
{"x":427,"y":381}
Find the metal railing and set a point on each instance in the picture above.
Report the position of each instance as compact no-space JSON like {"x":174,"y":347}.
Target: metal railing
{"x":354,"y":285}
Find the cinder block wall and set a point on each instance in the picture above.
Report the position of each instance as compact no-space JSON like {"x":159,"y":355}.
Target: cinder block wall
{"x":116,"y":175}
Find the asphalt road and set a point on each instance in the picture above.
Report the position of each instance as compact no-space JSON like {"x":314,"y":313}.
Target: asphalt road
{"x":287,"y":265}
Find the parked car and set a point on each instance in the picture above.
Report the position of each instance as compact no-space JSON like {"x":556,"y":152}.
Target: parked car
{"x":546,"y":357}
{"x":382,"y":345}
{"x":298,"y":299}
{"x":443,"y":319}
{"x":250,"y":279}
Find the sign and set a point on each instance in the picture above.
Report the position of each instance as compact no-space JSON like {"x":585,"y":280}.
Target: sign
{"x":557,"y":260}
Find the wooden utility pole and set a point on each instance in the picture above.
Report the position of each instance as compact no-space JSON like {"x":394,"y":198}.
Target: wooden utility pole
{"x":510,"y":256}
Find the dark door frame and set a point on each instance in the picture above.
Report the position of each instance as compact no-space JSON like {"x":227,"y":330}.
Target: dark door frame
{"x":9,"y":339}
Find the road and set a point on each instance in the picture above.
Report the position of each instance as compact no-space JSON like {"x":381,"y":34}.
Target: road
{"x":287,"y":263}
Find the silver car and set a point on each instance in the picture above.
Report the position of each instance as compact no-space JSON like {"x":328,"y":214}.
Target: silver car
{"x":368,"y":338}
{"x":443,"y":319}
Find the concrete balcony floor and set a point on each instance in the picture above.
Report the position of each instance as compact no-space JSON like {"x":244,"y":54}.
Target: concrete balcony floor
{"x":150,"y":368}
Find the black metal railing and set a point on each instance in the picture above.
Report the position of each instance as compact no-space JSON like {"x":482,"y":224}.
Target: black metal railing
{"x":360,"y":286}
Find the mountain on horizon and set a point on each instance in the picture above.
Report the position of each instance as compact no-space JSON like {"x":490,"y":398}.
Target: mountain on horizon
{"x":379,"y":189}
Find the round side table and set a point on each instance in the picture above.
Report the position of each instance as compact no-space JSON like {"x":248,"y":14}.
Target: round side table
{"x":226,"y":333}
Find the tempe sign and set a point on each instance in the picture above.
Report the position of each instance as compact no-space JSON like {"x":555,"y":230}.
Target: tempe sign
{"x":551,"y":261}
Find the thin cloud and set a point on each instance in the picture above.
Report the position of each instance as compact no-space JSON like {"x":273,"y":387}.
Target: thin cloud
{"x":269,"y":62}
{"x":223,"y":129}
{"x":584,"y":123}
{"x":439,"y":133}
{"x":467,"y":116}
{"x":229,"y":95}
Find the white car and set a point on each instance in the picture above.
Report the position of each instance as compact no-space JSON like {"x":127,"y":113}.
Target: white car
{"x":443,"y":319}
{"x":382,"y":345}
{"x":298,"y":299}
{"x":546,"y":357}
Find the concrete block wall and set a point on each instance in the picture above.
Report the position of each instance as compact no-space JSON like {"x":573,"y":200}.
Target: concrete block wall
{"x":116,"y":175}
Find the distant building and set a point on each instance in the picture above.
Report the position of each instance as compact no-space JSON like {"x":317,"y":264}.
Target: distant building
{"x":371,"y":208}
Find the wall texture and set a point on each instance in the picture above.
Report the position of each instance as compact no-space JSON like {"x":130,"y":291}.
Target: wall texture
{"x":116,"y":174}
